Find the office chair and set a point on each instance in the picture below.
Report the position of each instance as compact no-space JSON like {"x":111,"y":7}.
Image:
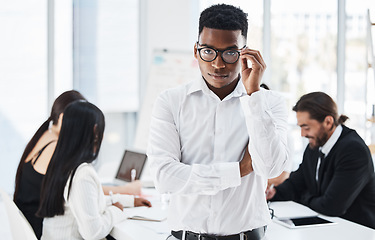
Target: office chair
{"x":19,"y":227}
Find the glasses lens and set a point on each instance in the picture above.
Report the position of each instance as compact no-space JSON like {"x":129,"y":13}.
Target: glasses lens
{"x":230,"y":56}
{"x":207,"y":54}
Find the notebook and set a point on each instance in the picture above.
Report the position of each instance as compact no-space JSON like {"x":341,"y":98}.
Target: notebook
{"x":153,"y":214}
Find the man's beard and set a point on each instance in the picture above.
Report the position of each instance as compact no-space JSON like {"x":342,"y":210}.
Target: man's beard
{"x":320,"y":140}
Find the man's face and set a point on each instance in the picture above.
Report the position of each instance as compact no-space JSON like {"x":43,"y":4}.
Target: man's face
{"x":316,"y":132}
{"x":217,"y":73}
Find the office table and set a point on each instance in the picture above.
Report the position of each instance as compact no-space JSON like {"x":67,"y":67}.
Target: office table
{"x":137,"y":229}
{"x":343,"y":230}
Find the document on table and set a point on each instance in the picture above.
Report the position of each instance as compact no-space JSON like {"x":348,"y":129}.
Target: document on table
{"x":290,"y":209}
{"x":157,"y":227}
{"x":155,"y":214}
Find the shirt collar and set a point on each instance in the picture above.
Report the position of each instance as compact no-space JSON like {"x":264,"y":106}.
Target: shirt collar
{"x":197,"y":86}
{"x":200,"y":85}
{"x":326,"y":148}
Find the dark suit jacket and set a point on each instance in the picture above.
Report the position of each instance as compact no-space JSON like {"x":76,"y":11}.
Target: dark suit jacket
{"x":346,"y":186}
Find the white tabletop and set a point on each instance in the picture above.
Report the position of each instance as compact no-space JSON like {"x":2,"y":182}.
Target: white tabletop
{"x":137,"y":229}
{"x":343,"y":230}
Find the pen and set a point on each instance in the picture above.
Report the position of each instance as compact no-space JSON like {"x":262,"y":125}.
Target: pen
{"x":270,"y":188}
{"x":133,"y":173}
{"x":111,"y":194}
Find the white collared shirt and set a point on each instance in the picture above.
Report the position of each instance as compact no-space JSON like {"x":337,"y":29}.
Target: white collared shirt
{"x":326,"y":148}
{"x":88,"y":214}
{"x":196,"y":142}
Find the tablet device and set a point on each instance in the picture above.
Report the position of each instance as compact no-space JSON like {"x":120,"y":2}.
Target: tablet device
{"x":304,"y":222}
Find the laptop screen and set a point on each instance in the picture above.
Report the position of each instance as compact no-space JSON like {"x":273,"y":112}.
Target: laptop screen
{"x":131,"y":160}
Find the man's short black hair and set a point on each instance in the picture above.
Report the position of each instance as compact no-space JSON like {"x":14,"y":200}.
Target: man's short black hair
{"x":224,"y":17}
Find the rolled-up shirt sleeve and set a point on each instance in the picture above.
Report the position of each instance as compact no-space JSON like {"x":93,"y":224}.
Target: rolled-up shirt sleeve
{"x":266,"y":121}
{"x":125,"y":200}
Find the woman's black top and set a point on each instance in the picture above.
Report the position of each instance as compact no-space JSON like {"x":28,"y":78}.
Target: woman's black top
{"x":28,"y":196}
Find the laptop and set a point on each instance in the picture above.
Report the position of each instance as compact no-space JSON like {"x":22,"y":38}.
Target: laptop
{"x":131,"y":167}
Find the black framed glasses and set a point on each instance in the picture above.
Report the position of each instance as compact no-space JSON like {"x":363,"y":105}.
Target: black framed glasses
{"x":209,"y":54}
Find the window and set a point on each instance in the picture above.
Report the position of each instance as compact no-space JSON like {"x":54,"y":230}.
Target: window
{"x":118,"y":55}
{"x":303,"y":54}
{"x":23,"y":80}
{"x":106,"y":67}
{"x":358,"y":92}
{"x":101,"y":56}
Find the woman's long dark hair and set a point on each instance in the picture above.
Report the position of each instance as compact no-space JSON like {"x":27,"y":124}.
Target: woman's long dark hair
{"x":80,"y":138}
{"x":58,"y":107}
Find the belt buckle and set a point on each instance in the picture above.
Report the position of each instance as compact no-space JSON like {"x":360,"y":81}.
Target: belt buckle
{"x":244,"y":236}
{"x":204,"y":236}
{"x":200,"y":237}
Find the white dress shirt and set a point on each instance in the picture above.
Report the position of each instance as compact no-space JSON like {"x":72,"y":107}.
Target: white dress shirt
{"x":88,"y":213}
{"x":326,"y":148}
{"x":196,"y":142}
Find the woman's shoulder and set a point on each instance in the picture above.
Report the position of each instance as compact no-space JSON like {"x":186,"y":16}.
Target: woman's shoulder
{"x":85,"y":169}
{"x":85,"y":175}
{"x":47,"y":141}
{"x":86,"y":172}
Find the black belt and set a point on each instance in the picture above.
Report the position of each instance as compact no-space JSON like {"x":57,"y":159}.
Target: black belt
{"x":255,"y":234}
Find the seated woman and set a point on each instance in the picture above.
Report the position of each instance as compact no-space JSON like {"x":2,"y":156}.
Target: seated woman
{"x":36,"y":157}
{"x":72,"y":200}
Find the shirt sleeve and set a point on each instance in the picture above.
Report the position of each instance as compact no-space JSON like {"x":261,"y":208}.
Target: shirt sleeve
{"x":170,"y":175}
{"x":292,"y":188}
{"x":266,"y":120}
{"x":124,"y":199}
{"x":84,"y":204}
